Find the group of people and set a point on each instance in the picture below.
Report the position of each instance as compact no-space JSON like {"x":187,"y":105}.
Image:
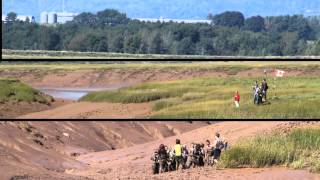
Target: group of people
{"x":180,"y":157}
{"x":259,"y":94}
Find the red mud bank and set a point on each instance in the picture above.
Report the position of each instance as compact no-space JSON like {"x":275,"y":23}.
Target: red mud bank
{"x":15,"y":109}
{"x":122,"y":150}
{"x":44,"y":150}
{"x":105,"y":78}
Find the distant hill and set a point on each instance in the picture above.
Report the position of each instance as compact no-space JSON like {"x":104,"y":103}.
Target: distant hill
{"x":180,"y":9}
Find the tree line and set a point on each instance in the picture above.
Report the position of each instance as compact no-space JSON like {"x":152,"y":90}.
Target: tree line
{"x":229,"y":34}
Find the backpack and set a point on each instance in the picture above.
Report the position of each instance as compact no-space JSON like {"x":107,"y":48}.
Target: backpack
{"x":220,"y":145}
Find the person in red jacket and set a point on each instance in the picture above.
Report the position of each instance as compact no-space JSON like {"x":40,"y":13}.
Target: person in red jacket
{"x":237,"y":99}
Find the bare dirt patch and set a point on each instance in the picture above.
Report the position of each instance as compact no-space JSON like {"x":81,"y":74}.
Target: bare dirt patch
{"x":15,"y":109}
{"x":87,"y":110}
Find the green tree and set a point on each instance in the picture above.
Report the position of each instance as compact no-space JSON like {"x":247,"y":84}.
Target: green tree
{"x":255,"y":24}
{"x":156,"y":44}
{"x":117,"y":43}
{"x":289,"y":41}
{"x":11,"y":17}
{"x":186,"y":46}
{"x":85,"y":19}
{"x":111,"y":17}
{"x":229,"y":19}
{"x":132,"y":44}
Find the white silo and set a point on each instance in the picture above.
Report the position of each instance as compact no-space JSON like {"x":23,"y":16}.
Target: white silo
{"x":44,"y":18}
{"x":52,"y":18}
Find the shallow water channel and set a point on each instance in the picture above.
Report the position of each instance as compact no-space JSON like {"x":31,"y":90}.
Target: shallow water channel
{"x":72,"y":93}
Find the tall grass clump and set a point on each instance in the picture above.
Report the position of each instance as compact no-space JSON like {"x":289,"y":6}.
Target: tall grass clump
{"x":166,"y":103}
{"x":299,"y":149}
{"x":14,"y":90}
{"x":126,"y":96}
{"x":139,"y":94}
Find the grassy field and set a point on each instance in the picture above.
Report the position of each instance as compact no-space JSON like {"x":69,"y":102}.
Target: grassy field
{"x":222,"y":66}
{"x":14,"y":91}
{"x":42,"y":54}
{"x":299,"y":149}
{"x":291,"y":97}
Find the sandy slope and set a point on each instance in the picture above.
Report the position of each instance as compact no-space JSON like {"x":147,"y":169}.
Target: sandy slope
{"x":87,"y":110}
{"x":134,"y":162}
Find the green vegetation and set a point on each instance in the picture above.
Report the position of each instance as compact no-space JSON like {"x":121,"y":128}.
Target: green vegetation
{"x":14,"y":91}
{"x":220,"y":66}
{"x":111,"y":31}
{"x":298,"y":149}
{"x":290,"y":97}
{"x":44,"y":54}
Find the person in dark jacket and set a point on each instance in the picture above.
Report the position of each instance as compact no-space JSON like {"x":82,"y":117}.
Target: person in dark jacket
{"x":265,"y":88}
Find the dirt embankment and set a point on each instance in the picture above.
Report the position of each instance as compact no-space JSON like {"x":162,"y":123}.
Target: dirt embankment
{"x":84,"y":78}
{"x":16,"y":109}
{"x":43,"y":148}
{"x":79,"y":150}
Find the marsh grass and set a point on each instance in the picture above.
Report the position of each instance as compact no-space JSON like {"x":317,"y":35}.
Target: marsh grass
{"x":212,"y":98}
{"x":14,"y":90}
{"x":298,"y":149}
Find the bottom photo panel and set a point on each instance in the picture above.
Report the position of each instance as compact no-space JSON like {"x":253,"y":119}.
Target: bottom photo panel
{"x":90,"y":150}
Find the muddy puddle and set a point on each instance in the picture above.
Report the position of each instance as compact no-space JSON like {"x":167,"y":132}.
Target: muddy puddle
{"x":74,"y":94}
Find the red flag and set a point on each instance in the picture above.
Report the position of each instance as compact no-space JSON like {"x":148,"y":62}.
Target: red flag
{"x":279,"y":73}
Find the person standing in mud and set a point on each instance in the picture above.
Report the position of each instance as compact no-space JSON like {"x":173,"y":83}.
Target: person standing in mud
{"x":185,"y":155}
{"x":254,"y":88}
{"x":265,"y":88}
{"x":163,"y":156}
{"x":208,"y":152}
{"x":178,"y":154}
{"x":218,"y":146}
{"x":256,"y":95}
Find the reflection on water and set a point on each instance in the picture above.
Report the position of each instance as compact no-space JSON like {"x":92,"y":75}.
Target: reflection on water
{"x":65,"y":94}
{"x":71,"y":93}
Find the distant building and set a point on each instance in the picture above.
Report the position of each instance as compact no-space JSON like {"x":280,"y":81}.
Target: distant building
{"x":23,"y":18}
{"x":164,"y":20}
{"x":44,"y":18}
{"x":64,"y":17}
{"x":56,"y":17}
{"x":52,"y":18}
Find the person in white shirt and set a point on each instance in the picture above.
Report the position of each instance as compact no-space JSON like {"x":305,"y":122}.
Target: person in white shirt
{"x":218,"y":146}
{"x":208,"y":152}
